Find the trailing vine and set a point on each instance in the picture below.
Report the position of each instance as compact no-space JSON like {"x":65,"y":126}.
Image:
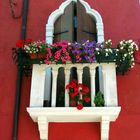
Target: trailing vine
{"x":12,"y":5}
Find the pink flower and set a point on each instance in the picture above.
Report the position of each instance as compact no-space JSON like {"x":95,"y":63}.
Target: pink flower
{"x":47,"y":62}
{"x":57,"y":55}
{"x":54,"y":45}
{"x":49,"y":52}
{"x":38,"y":44}
{"x":63,"y":59}
{"x":78,"y":58}
{"x":64,"y":50}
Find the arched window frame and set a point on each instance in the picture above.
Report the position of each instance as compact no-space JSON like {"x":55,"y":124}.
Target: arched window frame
{"x":57,"y":13}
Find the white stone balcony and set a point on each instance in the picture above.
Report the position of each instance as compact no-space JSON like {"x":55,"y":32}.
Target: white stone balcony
{"x":44,"y":87}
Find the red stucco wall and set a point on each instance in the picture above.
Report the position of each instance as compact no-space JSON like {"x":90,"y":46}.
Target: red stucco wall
{"x":121,"y":21}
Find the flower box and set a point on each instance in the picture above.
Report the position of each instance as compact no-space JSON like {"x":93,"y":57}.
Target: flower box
{"x":84,"y":52}
{"x":37,"y":56}
{"x":104,"y":56}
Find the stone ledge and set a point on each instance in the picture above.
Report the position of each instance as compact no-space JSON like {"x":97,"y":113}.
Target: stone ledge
{"x":44,"y":115}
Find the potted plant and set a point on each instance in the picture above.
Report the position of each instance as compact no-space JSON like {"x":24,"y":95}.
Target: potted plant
{"x":106,"y":53}
{"x":99,"y":99}
{"x":79,"y":94}
{"x":125,"y":55}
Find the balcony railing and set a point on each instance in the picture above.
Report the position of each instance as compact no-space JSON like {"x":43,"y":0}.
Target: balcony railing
{"x":44,"y":88}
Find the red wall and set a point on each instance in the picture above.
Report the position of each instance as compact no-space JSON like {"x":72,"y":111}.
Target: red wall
{"x":121,"y":21}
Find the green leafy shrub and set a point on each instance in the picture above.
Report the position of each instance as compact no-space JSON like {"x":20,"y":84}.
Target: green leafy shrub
{"x":99,"y":99}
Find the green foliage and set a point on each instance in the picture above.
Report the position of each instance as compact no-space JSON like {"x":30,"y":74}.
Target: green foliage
{"x":125,"y":55}
{"x":99,"y":99}
{"x":88,"y":52}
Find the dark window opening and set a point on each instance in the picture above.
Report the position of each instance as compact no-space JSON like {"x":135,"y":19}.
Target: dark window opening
{"x":73,"y":74}
{"x":86,"y":82}
{"x":60,"y":94}
{"x":97,"y":82}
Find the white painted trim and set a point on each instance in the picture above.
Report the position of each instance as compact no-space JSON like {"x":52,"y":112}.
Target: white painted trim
{"x":54,"y":16}
{"x":104,"y":115}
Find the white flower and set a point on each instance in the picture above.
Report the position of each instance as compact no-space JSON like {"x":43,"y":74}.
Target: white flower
{"x":27,"y":47}
{"x":106,"y":54}
{"x":137,"y":48}
{"x":121,"y":42}
{"x":106,"y":50}
{"x":97,"y":49}
{"x":131,"y":46}
{"x":110,"y":50}
{"x":125,"y":55}
{"x":130,"y":41}
{"x":133,"y":64}
{"x":132,"y":59}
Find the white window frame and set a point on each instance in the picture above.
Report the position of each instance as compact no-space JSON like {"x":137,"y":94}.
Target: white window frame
{"x":57,"y":13}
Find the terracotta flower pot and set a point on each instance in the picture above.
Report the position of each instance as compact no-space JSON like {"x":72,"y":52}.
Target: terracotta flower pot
{"x":41,"y":55}
{"x":35,"y":56}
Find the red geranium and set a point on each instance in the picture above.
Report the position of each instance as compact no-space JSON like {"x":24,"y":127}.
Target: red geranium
{"x":79,"y":106}
{"x":20,"y":43}
{"x":78,"y":92}
{"x":86,"y":99}
{"x":85,"y":89}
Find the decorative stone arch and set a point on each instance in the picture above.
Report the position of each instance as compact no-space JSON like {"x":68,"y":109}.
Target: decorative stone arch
{"x":57,"y":13}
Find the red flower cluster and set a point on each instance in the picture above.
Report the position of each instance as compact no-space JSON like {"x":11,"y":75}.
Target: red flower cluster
{"x":21,"y":43}
{"x":79,"y":93}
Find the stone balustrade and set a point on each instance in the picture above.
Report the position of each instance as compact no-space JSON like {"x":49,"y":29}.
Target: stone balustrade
{"x":44,"y":87}
{"x":39,"y":88}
